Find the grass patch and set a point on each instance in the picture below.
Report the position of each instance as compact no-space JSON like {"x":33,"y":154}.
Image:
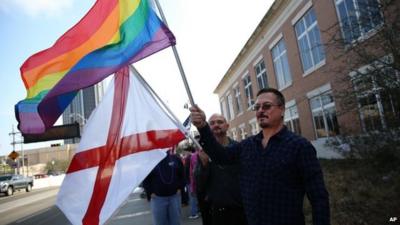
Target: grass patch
{"x":361,"y":193}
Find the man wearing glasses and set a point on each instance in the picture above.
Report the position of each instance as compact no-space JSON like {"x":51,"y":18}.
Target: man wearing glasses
{"x":277,"y":167}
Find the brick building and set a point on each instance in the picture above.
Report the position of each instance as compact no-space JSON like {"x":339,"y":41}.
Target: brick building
{"x":288,"y":51}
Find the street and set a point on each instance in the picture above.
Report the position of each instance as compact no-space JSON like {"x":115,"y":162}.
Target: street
{"x":37,"y":207}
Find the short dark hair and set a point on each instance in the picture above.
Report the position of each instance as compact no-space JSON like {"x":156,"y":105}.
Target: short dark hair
{"x":278,"y":94}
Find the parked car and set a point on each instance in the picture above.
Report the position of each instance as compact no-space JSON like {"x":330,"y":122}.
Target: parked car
{"x":10,"y":183}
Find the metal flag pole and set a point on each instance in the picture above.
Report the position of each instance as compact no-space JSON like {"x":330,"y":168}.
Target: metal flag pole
{"x":178,"y":60}
{"x":170,"y":114}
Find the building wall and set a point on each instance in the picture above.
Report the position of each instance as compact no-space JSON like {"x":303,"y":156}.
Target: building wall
{"x":279,"y":22}
{"x":36,"y":159}
{"x":82,"y":106}
{"x":44,"y":155}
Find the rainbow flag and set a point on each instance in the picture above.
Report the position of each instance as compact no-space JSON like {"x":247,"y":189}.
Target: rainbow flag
{"x":113,"y":34}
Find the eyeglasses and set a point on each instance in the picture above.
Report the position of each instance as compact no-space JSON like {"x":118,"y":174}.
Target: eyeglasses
{"x":265,"y":106}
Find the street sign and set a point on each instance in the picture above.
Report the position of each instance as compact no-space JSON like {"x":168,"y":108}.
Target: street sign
{"x":54,"y":133}
{"x":13,"y":155}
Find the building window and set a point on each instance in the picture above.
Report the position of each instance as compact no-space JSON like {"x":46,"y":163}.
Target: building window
{"x":228,"y":111}
{"x":229,"y":107}
{"x":292,"y":121}
{"x":238,"y":102}
{"x":309,"y":41}
{"x":379,"y":108}
{"x":281,"y":65}
{"x":358,"y":17}
{"x":261,"y":74}
{"x":223,"y":109}
{"x":234,"y":134}
{"x":324,"y":115}
{"x":248,"y":91}
{"x":243,"y":133}
{"x":254,"y":127}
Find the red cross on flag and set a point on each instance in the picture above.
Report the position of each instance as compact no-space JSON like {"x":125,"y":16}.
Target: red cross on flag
{"x":125,"y":137}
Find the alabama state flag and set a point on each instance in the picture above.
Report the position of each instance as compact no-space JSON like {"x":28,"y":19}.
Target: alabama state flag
{"x":125,"y":137}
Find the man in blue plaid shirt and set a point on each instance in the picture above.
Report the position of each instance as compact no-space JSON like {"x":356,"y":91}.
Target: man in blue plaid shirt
{"x":277,"y":167}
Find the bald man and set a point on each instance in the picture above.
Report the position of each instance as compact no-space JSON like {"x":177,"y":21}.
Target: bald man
{"x":221,"y":182}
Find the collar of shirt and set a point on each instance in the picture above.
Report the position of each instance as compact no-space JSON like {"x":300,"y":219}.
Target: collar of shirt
{"x":280,"y":135}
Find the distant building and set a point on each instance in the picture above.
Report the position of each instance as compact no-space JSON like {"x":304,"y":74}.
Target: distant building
{"x":35,"y":160}
{"x":82,"y":106}
{"x":286,"y":51}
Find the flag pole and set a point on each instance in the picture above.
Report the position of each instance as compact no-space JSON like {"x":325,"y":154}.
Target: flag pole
{"x":177,"y":58}
{"x":170,"y":113}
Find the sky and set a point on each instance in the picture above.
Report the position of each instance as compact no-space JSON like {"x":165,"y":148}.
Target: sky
{"x":209,"y":35}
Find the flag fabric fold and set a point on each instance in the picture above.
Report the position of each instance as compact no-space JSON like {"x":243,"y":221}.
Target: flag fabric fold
{"x":124,"y":138}
{"x":113,"y":34}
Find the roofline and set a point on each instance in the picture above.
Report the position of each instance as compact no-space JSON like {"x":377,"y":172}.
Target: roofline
{"x":271,"y":11}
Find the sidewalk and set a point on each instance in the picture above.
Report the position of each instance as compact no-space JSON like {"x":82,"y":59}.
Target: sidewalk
{"x":137,"y":211}
{"x":186,"y":220}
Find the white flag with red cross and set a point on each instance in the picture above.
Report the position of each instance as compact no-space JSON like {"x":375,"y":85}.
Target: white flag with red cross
{"x":125,"y":137}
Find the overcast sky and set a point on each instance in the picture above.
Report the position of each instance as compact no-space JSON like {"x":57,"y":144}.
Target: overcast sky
{"x":210,"y":34}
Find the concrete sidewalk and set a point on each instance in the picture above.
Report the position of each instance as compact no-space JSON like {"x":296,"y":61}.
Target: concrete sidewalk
{"x":185,"y":217}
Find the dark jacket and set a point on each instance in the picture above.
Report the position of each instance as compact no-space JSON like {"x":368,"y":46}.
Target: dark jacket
{"x":275,"y":179}
{"x":166,"y":178}
{"x":187,"y":169}
{"x":220,"y":183}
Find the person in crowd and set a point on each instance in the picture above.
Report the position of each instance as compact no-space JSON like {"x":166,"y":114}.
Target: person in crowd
{"x":221,"y":182}
{"x":163,"y":186}
{"x":277,"y":167}
{"x":186,"y":165}
{"x":201,"y":194}
{"x":194,"y":209}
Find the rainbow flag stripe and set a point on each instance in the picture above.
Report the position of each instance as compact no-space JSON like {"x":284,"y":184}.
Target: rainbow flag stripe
{"x":113,"y":34}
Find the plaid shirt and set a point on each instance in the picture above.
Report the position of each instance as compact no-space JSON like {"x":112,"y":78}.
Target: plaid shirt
{"x":274,"y":180}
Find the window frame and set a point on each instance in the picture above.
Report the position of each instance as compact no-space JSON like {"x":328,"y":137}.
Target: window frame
{"x":376,"y":91}
{"x":255,"y":129}
{"x":262,"y":74}
{"x":280,"y":57}
{"x":306,"y":33}
{"x":324,"y":108}
{"x":248,"y":91}
{"x":238,"y":99}
{"x":363,"y":35}
{"x":229,"y":107}
{"x":291,"y":117}
{"x":223,"y":107}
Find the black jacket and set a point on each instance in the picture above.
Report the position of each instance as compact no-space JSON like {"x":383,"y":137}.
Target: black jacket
{"x":166,"y":178}
{"x":220,"y":183}
{"x":274,"y":179}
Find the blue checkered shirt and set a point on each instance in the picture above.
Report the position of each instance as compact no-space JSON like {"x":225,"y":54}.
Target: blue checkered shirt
{"x":275,"y":179}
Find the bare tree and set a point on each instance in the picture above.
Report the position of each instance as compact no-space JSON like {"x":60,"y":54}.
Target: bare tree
{"x":366,"y":46}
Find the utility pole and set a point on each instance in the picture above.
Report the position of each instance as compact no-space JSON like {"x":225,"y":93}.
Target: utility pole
{"x":13,"y":143}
